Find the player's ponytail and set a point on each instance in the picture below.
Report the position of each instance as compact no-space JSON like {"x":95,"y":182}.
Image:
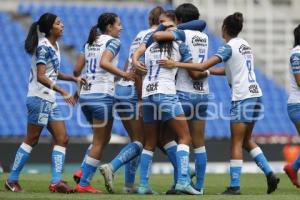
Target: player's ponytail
{"x":297,"y":35}
{"x":103,"y":21}
{"x":32,"y":38}
{"x":92,"y":35}
{"x":233,"y":24}
{"x":44,"y":24}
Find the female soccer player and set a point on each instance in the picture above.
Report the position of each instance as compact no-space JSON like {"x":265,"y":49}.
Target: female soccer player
{"x":127,"y":106}
{"x":41,"y":104}
{"x":127,"y":100}
{"x":246,"y":99}
{"x":294,"y":102}
{"x":161,"y":104}
{"x":100,"y":59}
{"x":192,"y":87}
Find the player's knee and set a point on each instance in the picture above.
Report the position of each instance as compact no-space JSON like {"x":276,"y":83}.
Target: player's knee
{"x":187,"y":139}
{"x":63,"y":141}
{"x":32,"y":141}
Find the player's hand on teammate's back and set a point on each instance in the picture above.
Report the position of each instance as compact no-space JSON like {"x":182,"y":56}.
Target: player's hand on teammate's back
{"x":140,"y":68}
{"x":129,"y":76}
{"x":167,"y":63}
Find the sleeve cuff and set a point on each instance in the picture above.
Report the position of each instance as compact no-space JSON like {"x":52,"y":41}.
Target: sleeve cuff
{"x":187,"y":59}
{"x":40,"y":62}
{"x":219,"y":56}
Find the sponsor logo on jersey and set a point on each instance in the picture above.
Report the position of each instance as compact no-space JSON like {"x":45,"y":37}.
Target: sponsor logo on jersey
{"x":154,"y":49}
{"x":198,"y":41}
{"x":245,"y":49}
{"x":152,"y":87}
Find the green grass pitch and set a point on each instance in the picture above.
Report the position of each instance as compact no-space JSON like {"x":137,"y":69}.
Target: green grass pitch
{"x":253,"y":186}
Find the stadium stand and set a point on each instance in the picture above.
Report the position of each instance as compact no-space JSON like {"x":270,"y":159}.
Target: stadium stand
{"x":78,"y":20}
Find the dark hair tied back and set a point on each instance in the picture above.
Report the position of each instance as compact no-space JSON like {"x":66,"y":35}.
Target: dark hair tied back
{"x":234,"y":24}
{"x":44,"y":24}
{"x":104,"y":20}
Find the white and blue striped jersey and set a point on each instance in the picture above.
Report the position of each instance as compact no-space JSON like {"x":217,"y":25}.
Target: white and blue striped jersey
{"x":294,"y":89}
{"x":45,"y":54}
{"x":138,"y":40}
{"x":198,"y":45}
{"x":159,"y":79}
{"x":99,"y":80}
{"x":239,"y":68}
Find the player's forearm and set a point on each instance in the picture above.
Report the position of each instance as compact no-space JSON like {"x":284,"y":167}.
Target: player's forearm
{"x":108,"y":66}
{"x":66,"y":77}
{"x":163,"y":36}
{"x":126,"y":65}
{"x":190,"y":66}
{"x":138,"y":53}
{"x":219,"y":71}
{"x":200,"y":66}
{"x":196,"y":75}
{"x":49,"y":84}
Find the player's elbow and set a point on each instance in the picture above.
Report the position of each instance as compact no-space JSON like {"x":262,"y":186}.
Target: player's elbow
{"x":103,"y":63}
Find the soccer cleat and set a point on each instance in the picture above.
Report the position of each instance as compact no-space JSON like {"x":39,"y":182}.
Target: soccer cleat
{"x":232,"y":191}
{"x":61,"y":187}
{"x":77,"y":175}
{"x":292,"y":174}
{"x":13,"y":186}
{"x":87,"y":189}
{"x":186,"y":189}
{"x":129,"y":190}
{"x":145,"y":190}
{"x":272,"y":181}
{"x":172,"y":190}
{"x":108,"y":175}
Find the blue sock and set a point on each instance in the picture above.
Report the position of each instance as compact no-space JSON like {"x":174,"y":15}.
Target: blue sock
{"x":58,"y":161}
{"x":88,"y":170}
{"x":86,"y":154}
{"x":200,"y":166}
{"x":171,"y":149}
{"x":145,"y":169}
{"x":129,"y":152}
{"x":182,"y":159}
{"x":296,"y":164}
{"x":22,"y":156}
{"x":130,"y":170}
{"x":260,"y":160}
{"x":235,"y":172}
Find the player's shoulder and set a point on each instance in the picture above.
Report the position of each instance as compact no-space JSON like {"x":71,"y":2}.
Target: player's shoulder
{"x":194,"y":32}
{"x":143,"y":33}
{"x":295,"y":50}
{"x":43,"y":42}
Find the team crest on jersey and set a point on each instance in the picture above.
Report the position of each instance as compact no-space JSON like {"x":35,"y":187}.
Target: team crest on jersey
{"x":245,"y":49}
{"x":198,"y":41}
